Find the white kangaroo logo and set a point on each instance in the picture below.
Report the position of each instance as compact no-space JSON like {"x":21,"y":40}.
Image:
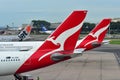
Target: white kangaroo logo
{"x":96,"y":35}
{"x":61,"y":39}
{"x":52,"y":40}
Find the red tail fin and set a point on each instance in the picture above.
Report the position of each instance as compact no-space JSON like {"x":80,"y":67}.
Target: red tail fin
{"x":96,"y":36}
{"x":68,"y":31}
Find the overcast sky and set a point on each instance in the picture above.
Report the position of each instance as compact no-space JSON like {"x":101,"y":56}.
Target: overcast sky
{"x":23,"y":11}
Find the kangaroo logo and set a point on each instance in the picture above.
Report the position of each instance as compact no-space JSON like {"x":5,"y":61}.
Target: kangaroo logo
{"x":53,"y":41}
{"x":92,"y":34}
{"x":96,"y":35}
{"x":60,"y":40}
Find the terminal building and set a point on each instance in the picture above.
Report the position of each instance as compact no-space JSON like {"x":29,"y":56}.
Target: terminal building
{"x":116,"y":20}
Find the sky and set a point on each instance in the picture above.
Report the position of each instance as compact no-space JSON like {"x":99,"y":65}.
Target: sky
{"x":17,"y":12}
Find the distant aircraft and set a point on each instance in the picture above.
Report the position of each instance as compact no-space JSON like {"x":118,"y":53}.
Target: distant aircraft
{"x":19,"y":57}
{"x":45,"y":30}
{"x":25,"y":33}
{"x":21,"y":36}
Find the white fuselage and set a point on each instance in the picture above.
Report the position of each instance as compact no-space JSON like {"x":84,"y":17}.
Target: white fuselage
{"x":14,"y":54}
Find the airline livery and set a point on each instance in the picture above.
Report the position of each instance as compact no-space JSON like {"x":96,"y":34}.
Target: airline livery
{"x":25,"y":33}
{"x":26,"y":56}
{"x":95,"y":37}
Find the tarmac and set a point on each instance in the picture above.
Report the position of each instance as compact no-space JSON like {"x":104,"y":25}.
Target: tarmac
{"x":98,"y":64}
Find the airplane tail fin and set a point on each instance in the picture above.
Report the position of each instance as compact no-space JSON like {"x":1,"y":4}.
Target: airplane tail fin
{"x":66,"y":32}
{"x":25,"y":32}
{"x":64,"y":38}
{"x":96,"y":36}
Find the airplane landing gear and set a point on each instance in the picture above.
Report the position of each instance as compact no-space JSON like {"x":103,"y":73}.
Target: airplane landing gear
{"x":18,"y":77}
{"x":21,"y":77}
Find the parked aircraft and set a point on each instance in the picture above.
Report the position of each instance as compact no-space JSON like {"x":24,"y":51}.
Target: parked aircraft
{"x":19,"y":57}
{"x":21,"y":36}
{"x":96,"y":37}
{"x":45,"y":30}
